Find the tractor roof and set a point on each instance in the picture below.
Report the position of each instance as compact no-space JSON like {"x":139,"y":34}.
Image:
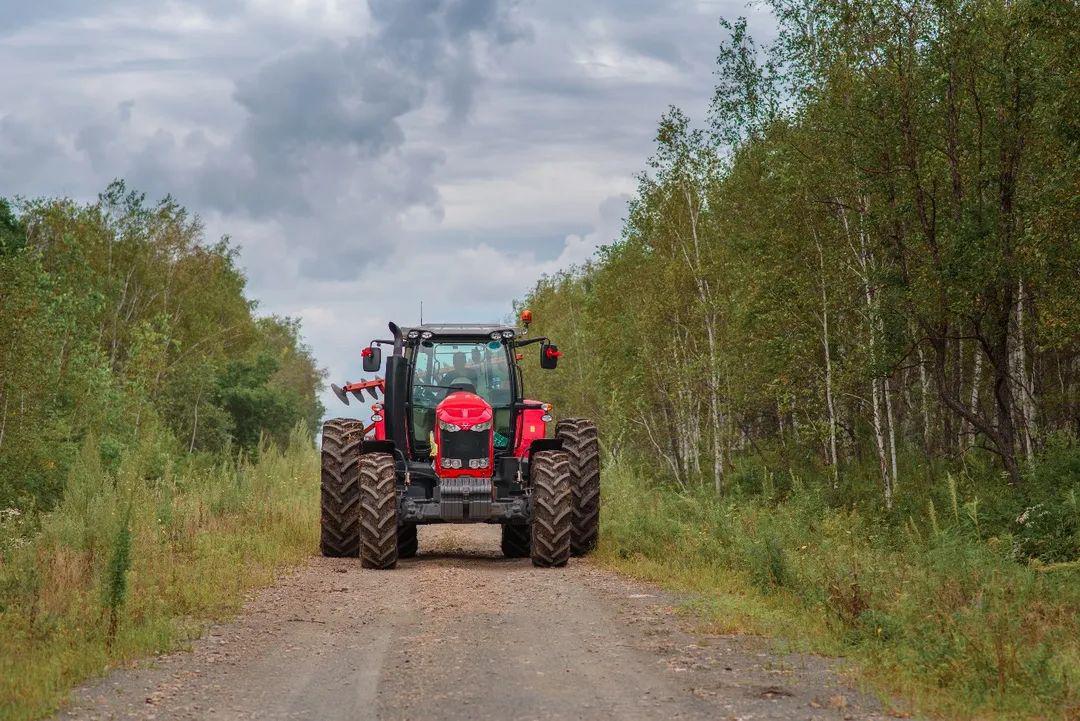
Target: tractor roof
{"x":460,"y":329}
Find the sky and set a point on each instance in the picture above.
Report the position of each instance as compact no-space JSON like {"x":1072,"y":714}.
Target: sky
{"x":364,"y":156}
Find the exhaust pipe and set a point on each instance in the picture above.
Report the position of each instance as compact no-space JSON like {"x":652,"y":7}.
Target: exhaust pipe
{"x":399,"y":343}
{"x":396,"y":392}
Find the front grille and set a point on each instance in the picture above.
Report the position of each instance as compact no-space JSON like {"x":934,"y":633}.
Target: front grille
{"x":465,"y":444}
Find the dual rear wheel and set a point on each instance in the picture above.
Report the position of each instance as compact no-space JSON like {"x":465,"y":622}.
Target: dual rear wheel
{"x":359,"y":500}
{"x":566,"y":499}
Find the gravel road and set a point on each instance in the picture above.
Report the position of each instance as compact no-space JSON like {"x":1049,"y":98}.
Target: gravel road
{"x":461,"y":633}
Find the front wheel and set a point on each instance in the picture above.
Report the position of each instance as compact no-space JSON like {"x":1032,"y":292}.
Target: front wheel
{"x":407,"y":542}
{"x":552,"y":508}
{"x":378,"y":511}
{"x":514,"y":541}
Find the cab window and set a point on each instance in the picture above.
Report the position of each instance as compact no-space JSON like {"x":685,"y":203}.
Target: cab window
{"x":445,"y":366}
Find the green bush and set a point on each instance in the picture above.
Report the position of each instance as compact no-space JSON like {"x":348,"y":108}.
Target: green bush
{"x":933,"y":606}
{"x":133,"y":559}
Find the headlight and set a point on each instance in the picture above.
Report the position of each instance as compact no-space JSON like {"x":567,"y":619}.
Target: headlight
{"x":482,"y":426}
{"x":508,"y":334}
{"x":496,"y":335}
{"x":455,"y":463}
{"x":426,"y":334}
{"x":449,"y":427}
{"x":445,"y":463}
{"x":478,"y":463}
{"x":376,"y":418}
{"x":414,"y":334}
{"x":546,"y":418}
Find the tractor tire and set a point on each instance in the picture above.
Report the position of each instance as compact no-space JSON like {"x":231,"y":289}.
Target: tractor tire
{"x":378,"y":511}
{"x":407,"y":543}
{"x":581,"y":442}
{"x":552,"y":509}
{"x":515,"y":540}
{"x":341,"y":442}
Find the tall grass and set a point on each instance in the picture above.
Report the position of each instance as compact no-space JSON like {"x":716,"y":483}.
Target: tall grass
{"x":134,"y":561}
{"x":927,"y":608}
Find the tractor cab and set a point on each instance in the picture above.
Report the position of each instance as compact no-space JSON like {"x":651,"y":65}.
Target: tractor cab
{"x":454,"y":367}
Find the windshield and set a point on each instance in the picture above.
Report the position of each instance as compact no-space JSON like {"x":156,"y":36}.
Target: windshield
{"x":480,"y":367}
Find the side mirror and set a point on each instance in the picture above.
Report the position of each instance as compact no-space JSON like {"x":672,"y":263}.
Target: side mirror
{"x":372,"y":356}
{"x":549,"y":355}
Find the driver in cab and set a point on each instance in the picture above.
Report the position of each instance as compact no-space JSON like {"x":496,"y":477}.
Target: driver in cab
{"x":460,"y":374}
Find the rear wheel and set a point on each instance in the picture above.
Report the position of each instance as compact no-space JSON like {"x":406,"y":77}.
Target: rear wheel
{"x":551,"y":508}
{"x":407,"y":543}
{"x":581,"y":442}
{"x":378,"y":511}
{"x":515,"y":540}
{"x":340,"y":494}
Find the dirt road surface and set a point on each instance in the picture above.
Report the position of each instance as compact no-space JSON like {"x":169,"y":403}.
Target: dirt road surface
{"x":461,"y":633}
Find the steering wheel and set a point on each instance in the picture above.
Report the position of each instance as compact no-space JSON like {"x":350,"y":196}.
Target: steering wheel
{"x":424,"y":395}
{"x":427,"y":394}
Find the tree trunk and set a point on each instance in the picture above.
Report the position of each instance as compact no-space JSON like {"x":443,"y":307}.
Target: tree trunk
{"x":1023,"y":389}
{"x":828,"y":366}
{"x":924,"y":385}
{"x":892,"y":440}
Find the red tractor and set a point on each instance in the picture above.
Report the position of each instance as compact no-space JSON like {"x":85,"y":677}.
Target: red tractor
{"x":452,"y":439}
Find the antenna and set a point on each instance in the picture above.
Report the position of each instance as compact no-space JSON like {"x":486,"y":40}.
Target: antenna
{"x":421,"y":312}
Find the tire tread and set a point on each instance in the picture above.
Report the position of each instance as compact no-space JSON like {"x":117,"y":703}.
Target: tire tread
{"x":552,"y":508}
{"x":342,"y":440}
{"x":581,"y":443}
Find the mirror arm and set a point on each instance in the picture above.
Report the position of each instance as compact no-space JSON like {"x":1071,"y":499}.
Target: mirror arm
{"x":530,"y":341}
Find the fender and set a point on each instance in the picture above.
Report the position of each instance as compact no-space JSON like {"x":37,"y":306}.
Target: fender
{"x":374,"y":446}
{"x":543,"y":444}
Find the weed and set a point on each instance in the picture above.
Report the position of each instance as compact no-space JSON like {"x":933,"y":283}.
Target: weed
{"x":136,"y":556}
{"x":116,"y":575}
{"x":926,"y":607}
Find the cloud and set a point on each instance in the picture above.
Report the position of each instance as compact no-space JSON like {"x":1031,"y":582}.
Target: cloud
{"x":364,"y":156}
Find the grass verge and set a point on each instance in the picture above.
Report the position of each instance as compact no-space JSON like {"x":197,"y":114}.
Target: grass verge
{"x":929,"y":612}
{"x":134,"y":562}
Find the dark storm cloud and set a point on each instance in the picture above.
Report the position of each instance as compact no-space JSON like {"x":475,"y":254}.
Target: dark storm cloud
{"x":348,"y":98}
{"x":355,"y":93}
{"x":329,"y":95}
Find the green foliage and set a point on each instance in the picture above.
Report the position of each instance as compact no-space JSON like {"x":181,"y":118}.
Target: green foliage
{"x":244,"y":391}
{"x":117,"y":319}
{"x":1047,"y":527}
{"x":133,"y":561}
{"x":934,"y":613}
{"x":116,"y":571}
{"x":132,"y":370}
{"x":12,"y":235}
{"x":862,"y":269}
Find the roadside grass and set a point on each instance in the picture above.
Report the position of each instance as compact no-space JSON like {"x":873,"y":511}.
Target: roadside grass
{"x":135,"y":561}
{"x":928,"y":611}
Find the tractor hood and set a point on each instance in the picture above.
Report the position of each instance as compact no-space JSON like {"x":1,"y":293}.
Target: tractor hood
{"x":464,"y":410}
{"x":464,"y":438}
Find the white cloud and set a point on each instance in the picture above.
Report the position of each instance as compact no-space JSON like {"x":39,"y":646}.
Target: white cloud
{"x":365,"y":156}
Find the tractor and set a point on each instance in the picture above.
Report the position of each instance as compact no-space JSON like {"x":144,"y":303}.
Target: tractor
{"x":453,"y":439}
